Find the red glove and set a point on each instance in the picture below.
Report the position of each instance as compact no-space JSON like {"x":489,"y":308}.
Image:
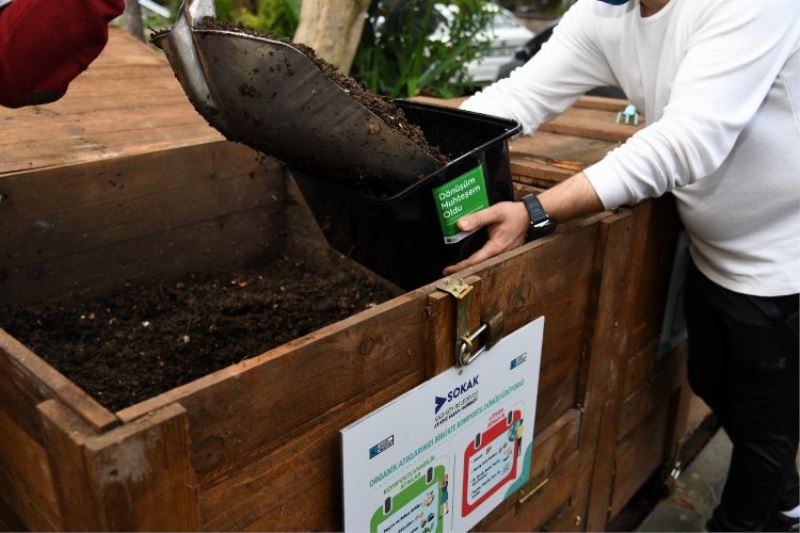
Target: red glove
{"x":45,"y":44}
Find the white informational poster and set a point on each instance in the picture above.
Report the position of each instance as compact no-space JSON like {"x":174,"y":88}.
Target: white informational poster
{"x":443,"y":455}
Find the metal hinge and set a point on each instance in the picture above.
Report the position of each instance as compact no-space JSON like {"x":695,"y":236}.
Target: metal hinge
{"x":469,"y":345}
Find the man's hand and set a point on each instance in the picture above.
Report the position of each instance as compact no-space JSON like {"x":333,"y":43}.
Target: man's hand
{"x":508,"y":221}
{"x":507,"y":224}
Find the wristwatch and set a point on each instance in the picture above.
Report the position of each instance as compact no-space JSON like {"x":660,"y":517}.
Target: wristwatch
{"x":541,"y":223}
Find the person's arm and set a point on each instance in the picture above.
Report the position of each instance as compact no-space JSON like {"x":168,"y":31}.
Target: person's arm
{"x":45,"y":44}
{"x":568,"y":65}
{"x":737,"y":50}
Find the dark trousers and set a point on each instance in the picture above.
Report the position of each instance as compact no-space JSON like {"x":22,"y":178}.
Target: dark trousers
{"x":743,"y":362}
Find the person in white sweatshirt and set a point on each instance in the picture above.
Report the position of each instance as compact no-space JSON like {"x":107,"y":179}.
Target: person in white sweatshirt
{"x":719,"y":81}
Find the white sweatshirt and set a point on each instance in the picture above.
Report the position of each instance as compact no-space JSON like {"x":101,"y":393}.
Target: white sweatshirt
{"x":719,"y":82}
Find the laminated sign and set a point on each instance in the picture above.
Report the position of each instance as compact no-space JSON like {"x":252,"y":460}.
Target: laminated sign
{"x":457,"y":198}
{"x":443,"y":455}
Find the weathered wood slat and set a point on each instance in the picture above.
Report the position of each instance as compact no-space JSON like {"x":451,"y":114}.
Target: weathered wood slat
{"x":78,"y":229}
{"x":33,"y":194}
{"x":531,"y":511}
{"x":136,"y":477}
{"x":267,"y":494}
{"x":638,"y":456}
{"x":163,"y":255}
{"x":650,"y":397}
{"x":96,"y":123}
{"x":591,"y":123}
{"x":602,"y":103}
{"x":60,"y":152}
{"x":26,"y":380}
{"x":25,"y":480}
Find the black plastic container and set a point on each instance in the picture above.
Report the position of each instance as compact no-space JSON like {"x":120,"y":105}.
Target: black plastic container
{"x":400,"y":236}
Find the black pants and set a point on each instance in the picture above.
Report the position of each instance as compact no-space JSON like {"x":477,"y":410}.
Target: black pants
{"x":743,"y":362}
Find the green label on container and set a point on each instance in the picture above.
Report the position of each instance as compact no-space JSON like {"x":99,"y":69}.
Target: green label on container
{"x":457,"y":198}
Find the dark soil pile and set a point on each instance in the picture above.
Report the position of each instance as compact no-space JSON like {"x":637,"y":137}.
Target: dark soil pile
{"x":146,"y":339}
{"x":380,"y":105}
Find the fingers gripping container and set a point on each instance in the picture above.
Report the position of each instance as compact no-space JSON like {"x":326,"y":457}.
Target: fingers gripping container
{"x":409,"y":236}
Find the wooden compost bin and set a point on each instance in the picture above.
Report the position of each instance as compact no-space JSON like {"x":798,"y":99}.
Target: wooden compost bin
{"x":122,"y":180}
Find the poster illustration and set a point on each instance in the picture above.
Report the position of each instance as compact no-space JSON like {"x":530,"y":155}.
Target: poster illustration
{"x":443,"y":455}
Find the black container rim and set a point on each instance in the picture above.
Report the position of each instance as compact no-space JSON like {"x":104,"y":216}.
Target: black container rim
{"x":512,"y":127}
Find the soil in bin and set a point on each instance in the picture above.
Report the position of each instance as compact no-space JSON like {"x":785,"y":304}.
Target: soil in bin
{"x":143,"y":340}
{"x":381,"y":106}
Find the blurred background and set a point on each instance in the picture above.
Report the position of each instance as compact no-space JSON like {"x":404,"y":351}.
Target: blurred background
{"x":407,"y":47}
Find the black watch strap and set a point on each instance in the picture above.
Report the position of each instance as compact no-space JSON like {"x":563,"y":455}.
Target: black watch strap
{"x":541,"y":223}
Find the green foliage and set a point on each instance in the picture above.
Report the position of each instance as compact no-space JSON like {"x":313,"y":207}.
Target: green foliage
{"x":278,"y":16}
{"x":412,"y":47}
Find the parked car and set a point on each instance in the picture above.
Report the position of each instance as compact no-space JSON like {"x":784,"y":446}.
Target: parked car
{"x":505,"y":34}
{"x":532,"y":47}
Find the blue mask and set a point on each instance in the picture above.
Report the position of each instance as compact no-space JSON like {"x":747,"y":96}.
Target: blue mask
{"x":615,"y":2}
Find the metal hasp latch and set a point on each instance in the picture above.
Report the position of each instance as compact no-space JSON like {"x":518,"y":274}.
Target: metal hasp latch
{"x":470,"y":344}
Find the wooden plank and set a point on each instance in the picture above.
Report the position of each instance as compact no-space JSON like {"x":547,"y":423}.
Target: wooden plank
{"x":520,"y":190}
{"x":638,"y":456}
{"x":31,"y":194}
{"x":136,"y":477}
{"x":600,"y":393}
{"x":552,"y":446}
{"x":162,"y":256}
{"x":555,"y":443}
{"x":26,"y":380}
{"x":9,"y":521}
{"x":441,"y":311}
{"x":555,"y":401}
{"x":656,"y":226}
{"x":571,"y":151}
{"x":591,"y":123}
{"x":538,"y":174}
{"x":107,"y":212}
{"x":267,"y":493}
{"x":441,"y":324}
{"x":121,"y":219}
{"x":640,"y":367}
{"x":22,"y":157}
{"x":125,"y":49}
{"x":531,"y":511}
{"x":97,"y":123}
{"x":545,"y":159}
{"x":25,"y":480}
{"x":663,"y":383}
{"x":602,"y":103}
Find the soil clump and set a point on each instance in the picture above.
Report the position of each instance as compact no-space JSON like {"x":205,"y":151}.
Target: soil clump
{"x":145,"y":339}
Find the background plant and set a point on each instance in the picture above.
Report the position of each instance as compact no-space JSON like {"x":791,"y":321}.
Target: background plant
{"x":278,"y":16}
{"x":413,"y":47}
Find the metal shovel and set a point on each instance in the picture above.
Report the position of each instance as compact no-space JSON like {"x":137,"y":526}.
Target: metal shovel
{"x":272,"y":97}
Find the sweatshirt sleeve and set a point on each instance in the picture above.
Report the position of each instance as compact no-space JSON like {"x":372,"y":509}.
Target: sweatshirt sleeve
{"x":44,"y":45}
{"x":568,"y":65}
{"x":737,"y":50}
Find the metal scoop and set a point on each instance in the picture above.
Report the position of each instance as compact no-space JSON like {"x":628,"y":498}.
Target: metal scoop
{"x":272,"y":97}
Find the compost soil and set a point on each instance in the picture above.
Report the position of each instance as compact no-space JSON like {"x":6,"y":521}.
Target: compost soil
{"x":145,"y":339}
{"x":379,"y":105}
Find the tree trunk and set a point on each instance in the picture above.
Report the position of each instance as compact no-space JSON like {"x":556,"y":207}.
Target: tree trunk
{"x":333,"y":29}
{"x":132,"y":18}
